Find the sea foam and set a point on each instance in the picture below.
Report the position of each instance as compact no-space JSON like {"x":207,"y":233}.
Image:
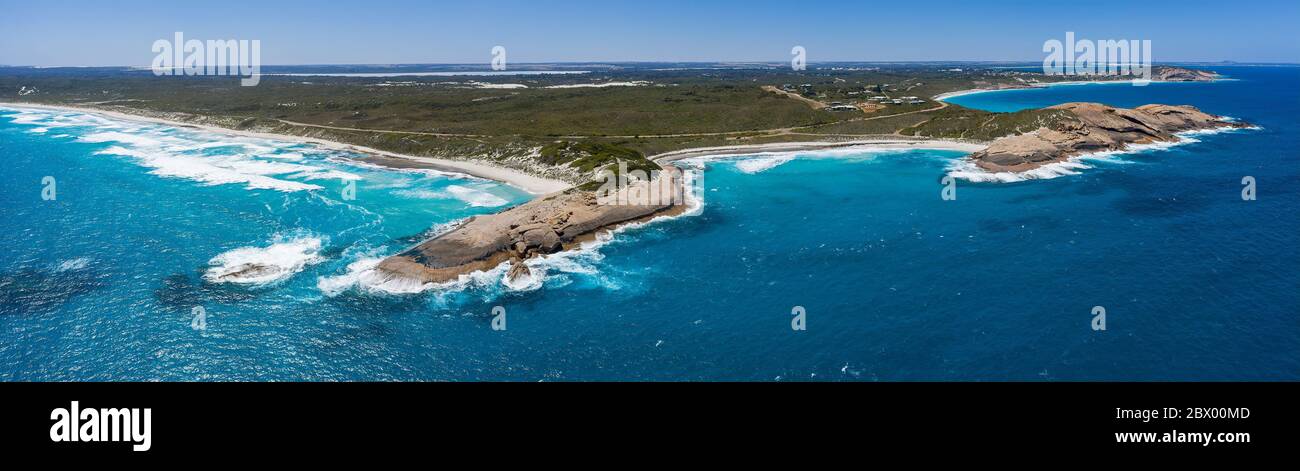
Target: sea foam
{"x":361,"y":275}
{"x":476,"y":197}
{"x":73,"y":264}
{"x":265,"y":265}
{"x":472,"y":196}
{"x":965,"y":169}
{"x":763,"y":161}
{"x":208,"y":158}
{"x":762,"y":164}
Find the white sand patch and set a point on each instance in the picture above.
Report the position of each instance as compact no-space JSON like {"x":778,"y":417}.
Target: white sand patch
{"x":635,"y":83}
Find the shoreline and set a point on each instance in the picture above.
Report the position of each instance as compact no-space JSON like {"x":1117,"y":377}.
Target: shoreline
{"x":813,"y":146}
{"x":534,"y":185}
{"x":1097,"y":130}
{"x":1068,"y":165}
{"x":973,"y":91}
{"x":529,"y":183}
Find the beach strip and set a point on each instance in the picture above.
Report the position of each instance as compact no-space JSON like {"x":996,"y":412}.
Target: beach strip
{"x":782,"y":147}
{"x":529,"y":183}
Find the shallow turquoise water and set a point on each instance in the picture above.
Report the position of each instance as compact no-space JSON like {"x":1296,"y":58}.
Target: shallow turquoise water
{"x":897,"y":283}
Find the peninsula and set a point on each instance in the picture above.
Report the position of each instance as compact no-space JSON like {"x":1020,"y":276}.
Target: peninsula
{"x":543,"y":226}
{"x":1094,"y":127}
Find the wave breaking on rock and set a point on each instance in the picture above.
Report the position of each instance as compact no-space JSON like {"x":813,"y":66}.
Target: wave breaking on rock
{"x":1094,"y":131}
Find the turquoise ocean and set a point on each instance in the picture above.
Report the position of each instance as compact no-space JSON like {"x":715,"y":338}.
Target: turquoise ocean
{"x":149,"y":225}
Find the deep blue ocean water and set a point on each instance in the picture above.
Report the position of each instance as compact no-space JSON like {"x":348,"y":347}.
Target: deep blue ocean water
{"x":897,"y":283}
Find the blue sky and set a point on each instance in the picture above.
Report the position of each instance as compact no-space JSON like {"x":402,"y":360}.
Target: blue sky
{"x":76,"y":32}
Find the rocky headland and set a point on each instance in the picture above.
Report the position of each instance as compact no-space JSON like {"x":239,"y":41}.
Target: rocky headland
{"x":546,"y":225}
{"x":1094,"y":127}
{"x":1179,"y":74}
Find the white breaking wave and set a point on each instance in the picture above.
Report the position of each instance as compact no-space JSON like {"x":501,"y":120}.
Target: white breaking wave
{"x":476,"y":197}
{"x":1220,"y":130}
{"x":966,"y":169}
{"x":122,"y":138}
{"x":583,"y":260}
{"x":326,"y":174}
{"x":529,"y":282}
{"x":202,"y":170}
{"x":74,"y":264}
{"x":28,"y":117}
{"x":264,"y":265}
{"x":213,"y":158}
{"x":764,"y":161}
{"x":362,"y":274}
{"x":260,"y":164}
{"x":761,"y":164}
{"x":470,"y":196}
{"x":167,"y":156}
{"x":52,"y":119}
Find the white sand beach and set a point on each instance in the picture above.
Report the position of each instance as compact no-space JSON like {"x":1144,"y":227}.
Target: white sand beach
{"x":945,"y":96}
{"x":879,"y":144}
{"x":529,"y":183}
{"x":532,"y":184}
